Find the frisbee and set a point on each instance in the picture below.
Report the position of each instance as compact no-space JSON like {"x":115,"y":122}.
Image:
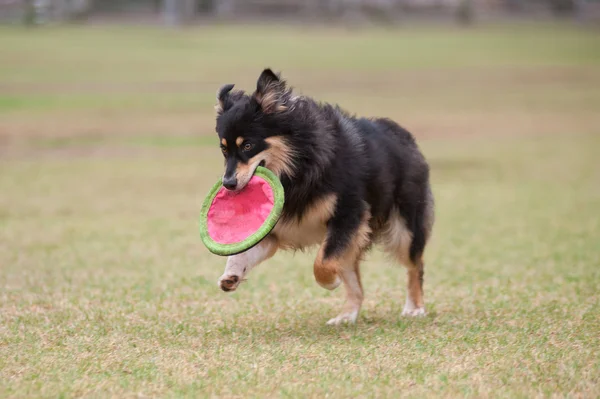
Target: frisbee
{"x":234,"y":221}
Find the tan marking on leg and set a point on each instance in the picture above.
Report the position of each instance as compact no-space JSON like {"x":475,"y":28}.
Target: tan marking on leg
{"x":415,"y":288}
{"x":326,"y":269}
{"x":224,"y":142}
{"x":239,"y":141}
{"x":415,"y":304}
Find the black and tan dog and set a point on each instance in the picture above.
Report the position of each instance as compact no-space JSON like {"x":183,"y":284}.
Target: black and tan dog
{"x":349,"y":182}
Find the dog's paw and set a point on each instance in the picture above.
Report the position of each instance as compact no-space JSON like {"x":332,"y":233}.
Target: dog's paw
{"x":414,"y":312}
{"x":229,"y":283}
{"x":344,"y":318}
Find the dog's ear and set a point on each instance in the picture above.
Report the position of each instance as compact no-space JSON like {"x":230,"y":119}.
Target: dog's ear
{"x":224,"y":100}
{"x":271,"y":94}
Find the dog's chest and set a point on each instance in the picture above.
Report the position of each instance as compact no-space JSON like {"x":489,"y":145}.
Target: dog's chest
{"x":294,"y":235}
{"x":308,"y":231}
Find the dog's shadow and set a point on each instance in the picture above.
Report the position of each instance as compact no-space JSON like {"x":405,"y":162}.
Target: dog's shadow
{"x":312,"y":326}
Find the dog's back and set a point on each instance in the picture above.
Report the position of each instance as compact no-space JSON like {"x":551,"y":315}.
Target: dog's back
{"x":397,"y":185}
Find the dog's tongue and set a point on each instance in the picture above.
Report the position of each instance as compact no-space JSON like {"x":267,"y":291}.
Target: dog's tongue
{"x":235,"y":216}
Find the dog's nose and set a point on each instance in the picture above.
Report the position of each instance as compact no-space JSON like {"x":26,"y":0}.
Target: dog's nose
{"x":230,"y":183}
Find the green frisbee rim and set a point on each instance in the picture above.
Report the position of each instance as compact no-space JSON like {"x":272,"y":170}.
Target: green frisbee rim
{"x":257,"y":236}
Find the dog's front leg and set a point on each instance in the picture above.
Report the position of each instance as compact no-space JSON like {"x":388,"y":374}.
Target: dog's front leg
{"x":339,"y":260}
{"x":238,"y":266}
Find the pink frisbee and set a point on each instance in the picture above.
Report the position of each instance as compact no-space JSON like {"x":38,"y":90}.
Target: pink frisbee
{"x":233,"y":222}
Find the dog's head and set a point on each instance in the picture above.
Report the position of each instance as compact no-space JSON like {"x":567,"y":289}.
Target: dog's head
{"x":252,"y":130}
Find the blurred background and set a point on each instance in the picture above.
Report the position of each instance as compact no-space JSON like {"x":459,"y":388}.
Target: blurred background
{"x":104,"y":70}
{"x":107,"y":149}
{"x":403,"y":58}
{"x":175,"y":12}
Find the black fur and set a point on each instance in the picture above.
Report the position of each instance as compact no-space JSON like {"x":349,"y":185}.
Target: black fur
{"x":370,"y":164}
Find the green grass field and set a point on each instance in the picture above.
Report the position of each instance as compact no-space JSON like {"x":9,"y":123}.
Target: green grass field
{"x":107,"y":148}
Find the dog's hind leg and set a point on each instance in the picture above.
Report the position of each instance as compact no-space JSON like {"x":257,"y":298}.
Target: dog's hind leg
{"x":414,"y":305}
{"x":339,"y":257}
{"x":407,"y":247}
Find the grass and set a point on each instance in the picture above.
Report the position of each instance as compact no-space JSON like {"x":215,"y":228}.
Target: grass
{"x":108,"y":291}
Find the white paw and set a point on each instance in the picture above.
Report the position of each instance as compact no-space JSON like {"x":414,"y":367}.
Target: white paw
{"x":344,"y":318}
{"x":413,"y":312}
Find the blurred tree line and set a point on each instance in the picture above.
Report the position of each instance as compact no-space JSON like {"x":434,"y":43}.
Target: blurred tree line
{"x":179,"y":12}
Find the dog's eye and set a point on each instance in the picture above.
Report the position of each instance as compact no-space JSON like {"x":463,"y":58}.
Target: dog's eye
{"x":248,"y":146}
{"x":224,"y":150}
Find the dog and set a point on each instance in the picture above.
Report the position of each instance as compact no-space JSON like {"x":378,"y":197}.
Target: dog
{"x":349,"y":183}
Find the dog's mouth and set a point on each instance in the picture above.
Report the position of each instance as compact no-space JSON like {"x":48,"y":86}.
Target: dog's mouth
{"x":245,"y":179}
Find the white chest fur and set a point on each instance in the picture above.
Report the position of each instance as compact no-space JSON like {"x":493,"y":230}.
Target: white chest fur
{"x":308,"y":231}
